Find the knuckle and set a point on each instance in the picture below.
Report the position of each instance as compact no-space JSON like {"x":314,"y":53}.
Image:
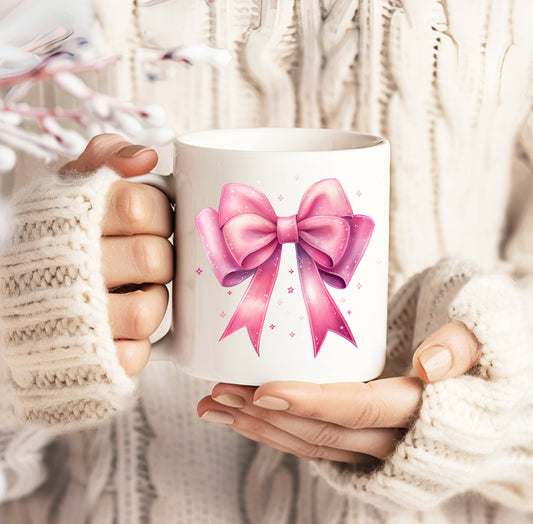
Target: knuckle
{"x":142,"y":324}
{"x":146,"y":256}
{"x":325,"y":435}
{"x":369,"y":412}
{"x":366,"y":417}
{"x":264,"y":414}
{"x":315,"y":452}
{"x":313,"y":410}
{"x":166,"y":260}
{"x":96,"y":142}
{"x":255,"y":425}
{"x":133,"y":206}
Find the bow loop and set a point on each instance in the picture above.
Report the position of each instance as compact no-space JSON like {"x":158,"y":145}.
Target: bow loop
{"x":361,"y":228}
{"x":251,"y":239}
{"x":225,"y":268}
{"x":325,"y":198}
{"x":238,"y":199}
{"x":324,"y":238}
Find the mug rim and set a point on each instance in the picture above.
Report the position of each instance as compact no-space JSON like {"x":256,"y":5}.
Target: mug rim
{"x":194,"y":139}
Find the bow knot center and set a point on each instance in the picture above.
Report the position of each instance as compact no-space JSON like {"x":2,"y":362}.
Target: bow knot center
{"x":287,"y":229}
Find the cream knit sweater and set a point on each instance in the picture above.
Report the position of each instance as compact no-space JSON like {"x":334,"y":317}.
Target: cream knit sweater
{"x":450,"y":84}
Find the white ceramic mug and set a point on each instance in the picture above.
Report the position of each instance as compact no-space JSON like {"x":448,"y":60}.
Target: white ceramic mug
{"x":281,"y":242}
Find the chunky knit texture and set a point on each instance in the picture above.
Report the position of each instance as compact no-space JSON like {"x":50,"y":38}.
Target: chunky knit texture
{"x":449,"y":82}
{"x":56,"y":336}
{"x":473,"y":432}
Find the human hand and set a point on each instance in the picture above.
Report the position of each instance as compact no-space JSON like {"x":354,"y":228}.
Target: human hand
{"x":341,"y":421}
{"x":137,"y":258}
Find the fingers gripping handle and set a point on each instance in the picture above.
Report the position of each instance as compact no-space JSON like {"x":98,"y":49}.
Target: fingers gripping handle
{"x":161,"y":347}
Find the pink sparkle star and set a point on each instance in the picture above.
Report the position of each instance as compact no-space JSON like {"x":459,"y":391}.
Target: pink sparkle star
{"x":222,"y":314}
{"x":359,"y":285}
{"x":199,"y":271}
{"x":230,"y":292}
{"x":349,"y":312}
{"x":272,"y":326}
{"x":291,"y":271}
{"x":280,"y":197}
{"x":292,"y":334}
{"x":290,"y":290}
{"x":359,"y":193}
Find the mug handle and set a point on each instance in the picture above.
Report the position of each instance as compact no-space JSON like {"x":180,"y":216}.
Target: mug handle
{"x":161,"y":348}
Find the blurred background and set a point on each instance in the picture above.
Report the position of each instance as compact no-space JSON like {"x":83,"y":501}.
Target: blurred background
{"x":450,"y":89}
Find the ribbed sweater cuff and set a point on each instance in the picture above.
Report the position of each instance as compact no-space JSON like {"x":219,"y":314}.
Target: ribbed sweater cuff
{"x":474,"y":432}
{"x":57,"y":342}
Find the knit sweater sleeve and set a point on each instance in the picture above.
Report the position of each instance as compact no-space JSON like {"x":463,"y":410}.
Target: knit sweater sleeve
{"x":22,"y":449}
{"x":57,"y":344}
{"x":474,"y":432}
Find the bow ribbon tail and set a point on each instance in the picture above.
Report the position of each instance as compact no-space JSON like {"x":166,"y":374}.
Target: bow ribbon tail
{"x":322,"y":311}
{"x":252,"y":308}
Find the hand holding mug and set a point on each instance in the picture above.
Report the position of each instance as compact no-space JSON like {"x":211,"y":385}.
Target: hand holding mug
{"x":344,"y":420}
{"x":337,"y":421}
{"x":137,"y":258}
{"x":264,"y":236}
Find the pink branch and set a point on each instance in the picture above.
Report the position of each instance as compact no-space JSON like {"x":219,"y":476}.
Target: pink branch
{"x":39,"y":113}
{"x":27,"y":141}
{"x":48,"y":69}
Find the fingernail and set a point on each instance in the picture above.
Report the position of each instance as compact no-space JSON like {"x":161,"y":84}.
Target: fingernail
{"x":220,"y":417}
{"x":436,"y":361}
{"x":230,"y":399}
{"x":269,"y":402}
{"x":132,"y":151}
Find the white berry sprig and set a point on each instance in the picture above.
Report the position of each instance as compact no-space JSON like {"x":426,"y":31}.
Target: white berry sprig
{"x":58,"y":54}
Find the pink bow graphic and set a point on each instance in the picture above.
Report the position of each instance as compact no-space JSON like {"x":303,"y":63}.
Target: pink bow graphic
{"x":245,"y":239}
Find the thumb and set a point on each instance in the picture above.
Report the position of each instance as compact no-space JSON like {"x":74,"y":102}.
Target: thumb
{"x":115,"y":151}
{"x":449,"y":352}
